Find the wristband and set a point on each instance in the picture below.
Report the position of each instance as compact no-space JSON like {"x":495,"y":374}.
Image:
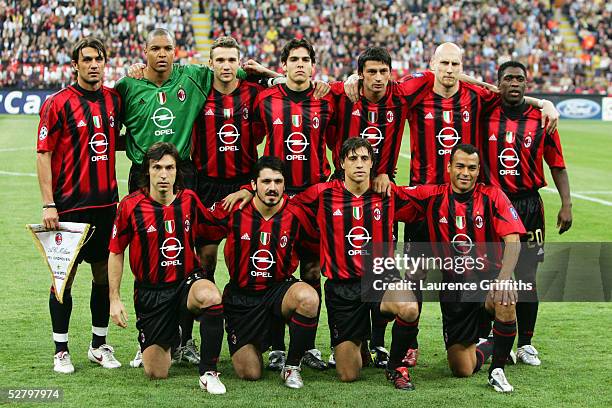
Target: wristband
{"x":50,"y":205}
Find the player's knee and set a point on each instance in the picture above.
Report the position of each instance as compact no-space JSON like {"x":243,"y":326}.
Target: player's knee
{"x":248,"y":373}
{"x":408,"y":311}
{"x":461,"y":370}
{"x":156,"y":373}
{"x":308,"y":302}
{"x":505,"y":313}
{"x":348,"y":375}
{"x":206,"y":296}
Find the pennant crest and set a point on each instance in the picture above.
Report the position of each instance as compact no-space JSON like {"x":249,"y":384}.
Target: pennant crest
{"x":447,"y":116}
{"x":60,"y":249}
{"x":161,"y":97}
{"x":357,"y":213}
{"x":169,"y":226}
{"x":264,"y":238}
{"x":97,"y":121}
{"x":296,"y":120}
{"x":372,"y":116}
{"x":460,"y":221}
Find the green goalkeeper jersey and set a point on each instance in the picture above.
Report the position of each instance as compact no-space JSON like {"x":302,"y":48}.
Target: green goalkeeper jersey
{"x":164,"y":113}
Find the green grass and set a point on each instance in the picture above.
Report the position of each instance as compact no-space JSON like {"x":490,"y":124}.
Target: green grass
{"x":573,"y":338}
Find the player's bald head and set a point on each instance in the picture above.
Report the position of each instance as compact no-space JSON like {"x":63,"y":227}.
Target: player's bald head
{"x":446,"y":50}
{"x":160,"y":32}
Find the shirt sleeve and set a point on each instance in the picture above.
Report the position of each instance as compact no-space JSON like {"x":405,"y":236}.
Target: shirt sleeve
{"x":553,"y":154}
{"x":337,"y":88}
{"x":259,"y":129}
{"x":410,"y":202}
{"x":122,"y":230}
{"x":506,"y":220}
{"x":213,"y":222}
{"x":50,"y":126}
{"x":305,"y":207}
{"x":413,"y":88}
{"x":488,"y":99}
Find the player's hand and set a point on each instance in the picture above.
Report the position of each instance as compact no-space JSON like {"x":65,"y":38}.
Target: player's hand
{"x":503,"y":292}
{"x":136,"y":71}
{"x":253,"y":67}
{"x":351,"y":87}
{"x":550,"y":114}
{"x":564,"y":219}
{"x":241,"y":195}
{"x":118,"y":313}
{"x":382,"y":185}
{"x":50,"y":218}
{"x":321,"y":88}
{"x":491,"y":87}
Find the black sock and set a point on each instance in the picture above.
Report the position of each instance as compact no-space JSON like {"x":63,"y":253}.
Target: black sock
{"x":526,"y":316}
{"x":186,"y":322}
{"x":483,"y":352}
{"x":276,"y":333}
{"x":99,"y":304}
{"x":302,"y":332}
{"x":211,"y":332}
{"x":503,"y":339}
{"x":379,"y":326}
{"x":402,"y":335}
{"x":60,"y":319}
{"x":316,"y":285}
{"x":484,"y":323}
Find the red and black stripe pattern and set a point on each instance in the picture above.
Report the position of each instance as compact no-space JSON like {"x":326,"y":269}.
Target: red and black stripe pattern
{"x":513,"y":145}
{"x":161,"y":238}
{"x":225,"y":137}
{"x":80,"y":129}
{"x":437,"y":124}
{"x":381,"y":123}
{"x":297,"y":126}
{"x":258,"y":252}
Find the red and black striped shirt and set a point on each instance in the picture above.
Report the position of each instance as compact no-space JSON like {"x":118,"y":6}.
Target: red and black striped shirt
{"x":297,"y":126}
{"x":161,"y":237}
{"x":381,"y":123}
{"x":350,"y":227}
{"x":513,"y":145}
{"x":225,"y":137}
{"x":437,"y":124}
{"x":484,"y":215}
{"x":258,"y":252}
{"x":80,"y":128}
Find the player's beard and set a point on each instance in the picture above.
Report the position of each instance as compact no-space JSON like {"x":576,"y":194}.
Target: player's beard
{"x":267,"y":204}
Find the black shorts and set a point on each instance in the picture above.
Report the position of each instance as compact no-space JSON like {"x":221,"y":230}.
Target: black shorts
{"x":530,"y":209}
{"x":460,"y":322}
{"x":187,"y":169}
{"x":248,"y":315}
{"x":157,"y":311}
{"x":348,"y":316}
{"x":96,"y":248}
{"x":415,"y":232}
{"x":212,"y":190}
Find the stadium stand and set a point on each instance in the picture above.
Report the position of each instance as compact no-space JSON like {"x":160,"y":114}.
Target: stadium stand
{"x":36,"y":35}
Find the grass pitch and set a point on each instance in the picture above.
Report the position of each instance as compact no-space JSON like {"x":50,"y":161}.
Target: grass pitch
{"x":573,"y":338}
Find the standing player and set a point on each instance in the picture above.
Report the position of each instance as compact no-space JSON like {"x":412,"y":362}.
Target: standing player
{"x":462,"y":213}
{"x":261,"y":256}
{"x":297,"y":125}
{"x":76,"y":172}
{"x":159,"y":223}
{"x":378,"y":116}
{"x":514,"y":145}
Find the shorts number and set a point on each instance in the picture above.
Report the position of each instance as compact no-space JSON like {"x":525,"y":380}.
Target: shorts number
{"x":536,"y":236}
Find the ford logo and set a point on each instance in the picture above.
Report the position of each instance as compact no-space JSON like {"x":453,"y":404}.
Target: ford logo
{"x":578,"y":108}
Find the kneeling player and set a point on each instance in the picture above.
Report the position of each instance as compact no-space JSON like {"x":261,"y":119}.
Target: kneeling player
{"x":463,"y":213}
{"x":159,"y":223}
{"x":261,"y":257}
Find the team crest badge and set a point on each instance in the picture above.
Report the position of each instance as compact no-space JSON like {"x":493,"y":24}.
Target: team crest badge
{"x":264,"y":238}
{"x":447,"y":116}
{"x":466,"y":116}
{"x":377,"y":214}
{"x":460,"y":221}
{"x":97,"y":121}
{"x":389,"y":116}
{"x":169,"y":226}
{"x":111,"y":121}
{"x":181,"y":95}
{"x":527,"y":141}
{"x":296,"y":120}
{"x":478,"y":221}
{"x":161,"y":97}
{"x":315,"y":122}
{"x":283,"y":241}
{"x":357,"y":213}
{"x":245,"y":113}
{"x":187,"y":225}
{"x":372,"y":116}
{"x":510,"y":136}
{"x":228,"y":113}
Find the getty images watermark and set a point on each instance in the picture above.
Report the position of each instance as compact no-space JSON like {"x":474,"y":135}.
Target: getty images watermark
{"x":466,"y":271}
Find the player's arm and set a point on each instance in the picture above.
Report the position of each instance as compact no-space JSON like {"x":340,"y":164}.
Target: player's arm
{"x":564,"y":217}
{"x":471,"y":80}
{"x":118,"y":313}
{"x":50,"y":218}
{"x":252,"y":67}
{"x":505,"y":295}
{"x":410,"y":202}
{"x":242,"y":196}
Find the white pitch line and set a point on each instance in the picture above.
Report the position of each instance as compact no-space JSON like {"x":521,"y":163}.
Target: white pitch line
{"x":582,"y":197}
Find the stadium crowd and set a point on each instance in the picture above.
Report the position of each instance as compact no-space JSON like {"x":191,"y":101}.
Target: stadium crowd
{"x":36,"y":35}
